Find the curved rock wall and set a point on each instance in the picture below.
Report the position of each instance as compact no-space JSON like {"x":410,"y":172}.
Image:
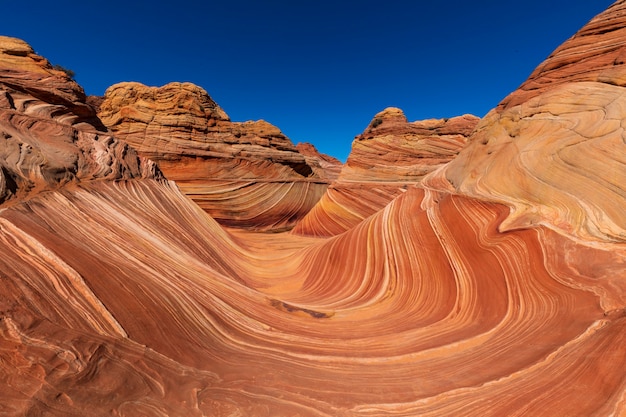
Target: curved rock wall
{"x":555,"y":150}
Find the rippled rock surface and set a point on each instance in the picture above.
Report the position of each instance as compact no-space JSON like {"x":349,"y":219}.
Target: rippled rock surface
{"x":478,"y":291}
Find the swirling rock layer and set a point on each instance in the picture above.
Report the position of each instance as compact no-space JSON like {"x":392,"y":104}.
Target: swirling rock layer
{"x":389,"y":156}
{"x":49,"y":135}
{"x":243,"y":174}
{"x":555,"y":150}
{"x":421,"y":310}
{"x":479,"y":291}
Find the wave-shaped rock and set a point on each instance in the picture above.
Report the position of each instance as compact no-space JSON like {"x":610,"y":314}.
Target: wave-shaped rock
{"x":244,"y":174}
{"x":427,"y":295}
{"x":555,"y":150}
{"x":390,"y":155}
{"x":120,"y":296}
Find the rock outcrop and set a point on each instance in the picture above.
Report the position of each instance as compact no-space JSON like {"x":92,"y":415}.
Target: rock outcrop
{"x":479,"y":291}
{"x":243,"y":174}
{"x":392,"y":149}
{"x":331,"y":166}
{"x":50,"y":136}
{"x":595,"y":53}
{"x":555,"y":150}
{"x":391,"y":155}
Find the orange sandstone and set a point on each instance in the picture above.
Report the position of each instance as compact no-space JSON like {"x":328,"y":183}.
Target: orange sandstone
{"x":243,"y":174}
{"x":555,"y":150}
{"x":476,"y":291}
{"x":389,"y":156}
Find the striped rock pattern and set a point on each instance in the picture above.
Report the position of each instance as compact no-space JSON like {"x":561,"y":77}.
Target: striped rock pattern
{"x":555,"y":150}
{"x":389,"y":156}
{"x":123,"y":297}
{"x":243,"y":174}
{"x":32,"y":85}
{"x":50,"y":136}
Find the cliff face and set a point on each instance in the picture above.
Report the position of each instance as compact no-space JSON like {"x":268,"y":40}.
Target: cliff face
{"x":391,"y":155}
{"x":494,"y":285}
{"x":243,"y":174}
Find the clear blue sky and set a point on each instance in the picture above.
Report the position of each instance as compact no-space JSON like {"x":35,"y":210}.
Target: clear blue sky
{"x":319,"y":70}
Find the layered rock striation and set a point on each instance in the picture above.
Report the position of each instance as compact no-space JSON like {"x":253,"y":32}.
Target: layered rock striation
{"x":121,"y":296}
{"x":595,"y":53}
{"x":50,"y":136}
{"x":392,"y":149}
{"x":243,"y":174}
{"x":170,"y":315}
{"x":391,"y":155}
{"x":555,"y":150}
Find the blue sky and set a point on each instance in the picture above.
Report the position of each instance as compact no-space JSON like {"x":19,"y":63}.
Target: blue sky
{"x":319,"y":70}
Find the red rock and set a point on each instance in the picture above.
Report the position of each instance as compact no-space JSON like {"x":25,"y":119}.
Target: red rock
{"x":595,"y":53}
{"x":428,"y":288}
{"x":30,"y":84}
{"x":391,"y":155}
{"x":392,"y":149}
{"x":243,"y":174}
{"x":50,"y":136}
{"x":331,"y":166}
{"x":120,"y":296}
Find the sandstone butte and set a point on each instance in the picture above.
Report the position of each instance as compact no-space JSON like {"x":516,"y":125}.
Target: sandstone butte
{"x":391,"y":155}
{"x":247,"y":175}
{"x":479,"y":291}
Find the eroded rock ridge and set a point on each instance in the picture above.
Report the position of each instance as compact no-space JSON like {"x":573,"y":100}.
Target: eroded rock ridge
{"x":50,"y":136}
{"x":389,"y":156}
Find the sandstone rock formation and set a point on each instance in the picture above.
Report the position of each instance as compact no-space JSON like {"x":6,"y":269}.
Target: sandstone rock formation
{"x":555,"y":150}
{"x":171,"y":316}
{"x":331,"y":166}
{"x":120,"y":296}
{"x":49,"y":135}
{"x":243,"y":174}
{"x":389,"y":156}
